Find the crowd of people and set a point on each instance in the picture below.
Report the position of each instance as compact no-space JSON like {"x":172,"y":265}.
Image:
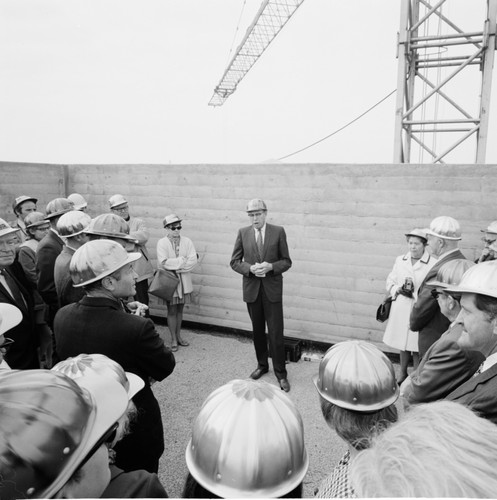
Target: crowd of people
{"x":79,"y":355}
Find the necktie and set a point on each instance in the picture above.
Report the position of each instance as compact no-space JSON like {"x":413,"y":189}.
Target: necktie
{"x":259,"y":243}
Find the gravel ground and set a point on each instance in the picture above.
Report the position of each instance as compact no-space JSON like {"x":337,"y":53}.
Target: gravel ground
{"x":212,"y":360}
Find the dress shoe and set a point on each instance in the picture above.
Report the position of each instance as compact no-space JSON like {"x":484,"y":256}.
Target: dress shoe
{"x":284,"y":384}
{"x":258,"y":373}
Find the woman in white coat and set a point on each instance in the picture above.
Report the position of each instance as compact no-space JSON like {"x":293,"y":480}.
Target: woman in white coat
{"x":402,"y":285}
{"x":177,"y":253}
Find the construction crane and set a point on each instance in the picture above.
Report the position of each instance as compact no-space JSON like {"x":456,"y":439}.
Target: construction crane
{"x":439,"y":63}
{"x":268,"y":22}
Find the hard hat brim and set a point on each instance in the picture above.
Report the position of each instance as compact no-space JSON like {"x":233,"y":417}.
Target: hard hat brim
{"x":132,"y":257}
{"x":10,"y":317}
{"x":136,"y":384}
{"x":121,"y":236}
{"x":355,"y":407}
{"x":442,"y":236}
{"x":469,"y":289}
{"x":435,"y":283}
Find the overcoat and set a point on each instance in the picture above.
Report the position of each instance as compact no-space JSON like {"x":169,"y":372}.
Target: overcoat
{"x":100,"y":325}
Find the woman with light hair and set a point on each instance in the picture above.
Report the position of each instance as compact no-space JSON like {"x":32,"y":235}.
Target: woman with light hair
{"x":446,"y":365}
{"x":357,"y":388}
{"x":439,"y":449}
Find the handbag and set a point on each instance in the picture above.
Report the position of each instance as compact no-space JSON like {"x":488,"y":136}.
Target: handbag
{"x":383,"y":310}
{"x":164,"y":284}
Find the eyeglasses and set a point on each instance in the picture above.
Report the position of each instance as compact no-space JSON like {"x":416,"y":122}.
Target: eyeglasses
{"x":435,"y":293}
{"x":121,"y":209}
{"x":487,"y":241}
{"x":46,"y":228}
{"x":175,"y":228}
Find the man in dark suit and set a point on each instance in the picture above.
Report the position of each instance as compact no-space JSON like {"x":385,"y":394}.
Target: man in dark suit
{"x":47,"y":252}
{"x":261,"y":256}
{"x":478,"y":316}
{"x":98,"y":324}
{"x":23,"y":353}
{"x":426,"y":318}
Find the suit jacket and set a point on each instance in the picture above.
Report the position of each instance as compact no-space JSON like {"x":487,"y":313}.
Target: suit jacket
{"x":46,"y":254}
{"x":275,"y":252}
{"x":99,"y":325}
{"x":426,"y":317}
{"x":444,"y":367}
{"x":23,"y":353}
{"x":479,"y":393}
{"x":66,"y":293}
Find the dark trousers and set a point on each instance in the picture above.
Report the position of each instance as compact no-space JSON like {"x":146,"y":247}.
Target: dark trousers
{"x":263,"y":312}
{"x":142,"y":294}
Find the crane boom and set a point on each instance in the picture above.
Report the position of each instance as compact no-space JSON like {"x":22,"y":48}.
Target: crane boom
{"x":268,"y":22}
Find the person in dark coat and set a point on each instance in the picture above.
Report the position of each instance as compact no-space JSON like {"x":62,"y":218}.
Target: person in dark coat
{"x":14,"y":290}
{"x":426,"y":318}
{"x":478,"y":290}
{"x":46,"y":253}
{"x":71,"y":226}
{"x":99,"y":324}
{"x":261,"y":255}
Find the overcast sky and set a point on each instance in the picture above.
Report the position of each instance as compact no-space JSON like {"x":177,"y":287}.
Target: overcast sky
{"x":129,"y":81}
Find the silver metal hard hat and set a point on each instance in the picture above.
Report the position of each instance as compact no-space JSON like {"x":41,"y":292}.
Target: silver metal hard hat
{"x":110,"y":226}
{"x":97,"y":259}
{"x":35,"y":219}
{"x":87,"y":364}
{"x":117,"y":200}
{"x":78,"y":201}
{"x":480,"y":279}
{"x":21,"y":199}
{"x":248,"y":441}
{"x":451,"y":273}
{"x":170,"y":219}
{"x":57,"y":207}
{"x":10,"y":316}
{"x":445,"y":227}
{"x":49,"y":425}
{"x":356,"y":375}
{"x":73,"y":223}
{"x":5,"y":228}
{"x":255,"y":205}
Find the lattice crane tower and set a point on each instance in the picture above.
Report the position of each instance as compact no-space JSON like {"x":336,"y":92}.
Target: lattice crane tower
{"x":443,"y":66}
{"x":268,"y":22}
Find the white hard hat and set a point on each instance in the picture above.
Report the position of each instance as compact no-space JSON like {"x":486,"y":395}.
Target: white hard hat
{"x":356,"y":375}
{"x":5,"y":228}
{"x":255,"y":205}
{"x":116,"y":200}
{"x":492,"y":228}
{"x":97,"y":259}
{"x":110,"y":226}
{"x":248,"y":441}
{"x":78,"y":201}
{"x":480,"y":279}
{"x":57,"y":207}
{"x":445,"y":227}
{"x":10,"y":316}
{"x":73,"y":223}
{"x":49,"y":425}
{"x":170,"y":219}
{"x":35,"y":219}
{"x":418,"y":233}
{"x":86,"y":364}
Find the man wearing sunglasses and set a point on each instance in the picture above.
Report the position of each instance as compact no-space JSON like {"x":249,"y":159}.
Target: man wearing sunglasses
{"x":261,"y":255}
{"x":489,"y":238}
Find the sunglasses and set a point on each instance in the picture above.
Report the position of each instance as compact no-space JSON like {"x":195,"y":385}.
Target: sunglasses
{"x":435,"y":294}
{"x":175,"y":228}
{"x":487,"y":241}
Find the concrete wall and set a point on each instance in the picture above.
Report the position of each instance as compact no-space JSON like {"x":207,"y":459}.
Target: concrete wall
{"x":345,"y":226}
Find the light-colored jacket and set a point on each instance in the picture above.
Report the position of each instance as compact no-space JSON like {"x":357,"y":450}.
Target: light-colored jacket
{"x":138,"y":231}
{"x":166,"y":259}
